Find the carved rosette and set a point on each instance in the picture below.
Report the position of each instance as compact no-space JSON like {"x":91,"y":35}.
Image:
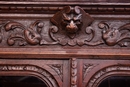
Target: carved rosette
{"x":73,"y":72}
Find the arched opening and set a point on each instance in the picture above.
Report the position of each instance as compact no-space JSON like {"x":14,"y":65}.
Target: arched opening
{"x":21,"y":81}
{"x":116,"y":81}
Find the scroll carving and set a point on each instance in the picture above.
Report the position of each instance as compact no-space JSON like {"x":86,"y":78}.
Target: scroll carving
{"x":72,"y":27}
{"x":58,"y":68}
{"x":113,"y":36}
{"x":24,"y":35}
{"x":73,"y":72}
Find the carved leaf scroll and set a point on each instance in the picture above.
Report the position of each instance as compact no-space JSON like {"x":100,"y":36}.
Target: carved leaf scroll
{"x":23,"y":35}
{"x":87,"y":68}
{"x":113,"y":36}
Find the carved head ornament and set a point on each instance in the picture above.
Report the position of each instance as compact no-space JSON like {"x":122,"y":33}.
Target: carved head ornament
{"x":72,"y":20}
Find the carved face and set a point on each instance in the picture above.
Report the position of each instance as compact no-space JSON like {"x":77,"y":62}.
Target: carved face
{"x":71,"y":23}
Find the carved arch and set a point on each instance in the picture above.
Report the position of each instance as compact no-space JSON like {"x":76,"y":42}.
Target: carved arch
{"x":106,"y":72}
{"x":30,"y":70}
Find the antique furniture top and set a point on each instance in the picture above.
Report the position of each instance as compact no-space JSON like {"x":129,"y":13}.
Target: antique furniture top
{"x":65,"y":29}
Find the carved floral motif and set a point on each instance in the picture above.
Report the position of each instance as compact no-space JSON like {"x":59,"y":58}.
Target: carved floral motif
{"x":58,"y":68}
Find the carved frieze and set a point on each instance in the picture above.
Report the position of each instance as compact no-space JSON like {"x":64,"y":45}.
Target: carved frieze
{"x":70,"y":26}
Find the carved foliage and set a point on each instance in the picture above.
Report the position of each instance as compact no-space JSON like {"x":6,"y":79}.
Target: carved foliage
{"x":87,"y":68}
{"x":23,"y":35}
{"x":113,"y":35}
{"x":73,"y":72}
{"x":71,"y":26}
{"x":58,"y":69}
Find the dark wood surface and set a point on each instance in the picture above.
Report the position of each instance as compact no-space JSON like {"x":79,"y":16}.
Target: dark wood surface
{"x":65,"y":43}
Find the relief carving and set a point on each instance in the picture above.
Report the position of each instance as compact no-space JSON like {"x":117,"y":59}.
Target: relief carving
{"x":22,"y":34}
{"x":31,"y":68}
{"x":105,"y":71}
{"x":72,"y":27}
{"x":73,"y":72}
{"x":87,"y":68}
{"x":113,"y":36}
{"x":58,"y":68}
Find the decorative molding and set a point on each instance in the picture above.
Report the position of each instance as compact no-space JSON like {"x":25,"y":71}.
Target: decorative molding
{"x":87,"y":68}
{"x":58,"y":68}
{"x":116,"y":68}
{"x":113,"y":36}
{"x":31,"y":68}
{"x":73,"y":72}
{"x":45,"y":7}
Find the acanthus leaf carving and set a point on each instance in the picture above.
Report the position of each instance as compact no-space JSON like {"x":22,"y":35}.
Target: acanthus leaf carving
{"x":113,"y":36}
{"x":24,"y":35}
{"x":87,"y":68}
{"x":58,"y":68}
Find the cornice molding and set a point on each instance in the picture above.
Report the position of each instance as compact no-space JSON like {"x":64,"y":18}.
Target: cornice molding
{"x":51,"y":8}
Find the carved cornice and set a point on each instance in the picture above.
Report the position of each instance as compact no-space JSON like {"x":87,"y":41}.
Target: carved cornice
{"x":47,"y":7}
{"x":31,"y":68}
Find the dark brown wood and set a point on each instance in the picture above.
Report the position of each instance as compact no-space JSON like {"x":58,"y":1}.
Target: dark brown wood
{"x":65,"y":43}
